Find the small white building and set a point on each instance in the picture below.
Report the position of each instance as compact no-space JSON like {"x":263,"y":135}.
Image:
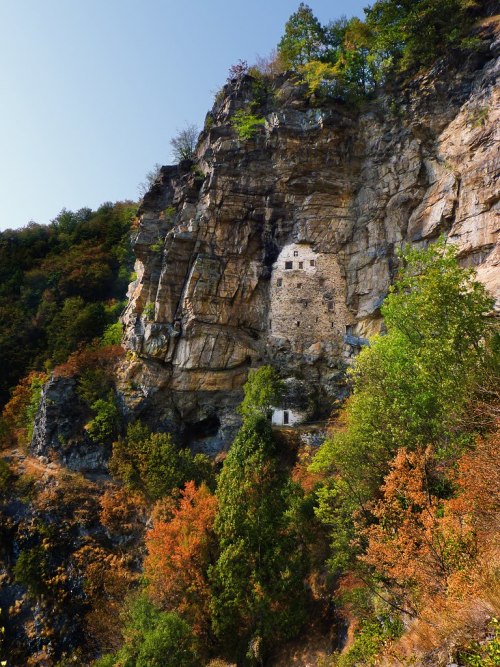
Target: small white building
{"x":295,"y":406}
{"x":286,"y":417}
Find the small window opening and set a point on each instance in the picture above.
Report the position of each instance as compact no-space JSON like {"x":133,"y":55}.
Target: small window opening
{"x":297,"y":323}
{"x":286,"y":417}
{"x":270,"y":323}
{"x":333,"y":325}
{"x":295,"y":253}
{"x":312,"y":262}
{"x":299,"y":285}
{"x":288,"y":265}
{"x":301,"y":265}
{"x":279,"y":282}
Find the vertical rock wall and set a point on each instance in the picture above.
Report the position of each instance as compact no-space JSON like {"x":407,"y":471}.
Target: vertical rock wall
{"x":344,"y":188}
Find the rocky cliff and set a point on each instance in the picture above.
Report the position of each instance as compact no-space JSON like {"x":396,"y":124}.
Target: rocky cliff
{"x":281,"y":248}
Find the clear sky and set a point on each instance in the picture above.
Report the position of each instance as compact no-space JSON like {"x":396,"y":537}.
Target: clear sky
{"x":93,"y":90}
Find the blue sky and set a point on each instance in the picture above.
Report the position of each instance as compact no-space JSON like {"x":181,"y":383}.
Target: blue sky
{"x":93,"y":90}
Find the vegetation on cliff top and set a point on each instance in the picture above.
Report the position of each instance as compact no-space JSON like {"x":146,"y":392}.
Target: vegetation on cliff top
{"x":350,"y":57}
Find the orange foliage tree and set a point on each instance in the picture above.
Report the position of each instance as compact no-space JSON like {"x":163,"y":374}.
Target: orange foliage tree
{"x":89,"y":357}
{"x":180,"y":547}
{"x":123,"y":512}
{"x":19,"y":412}
{"x":424,"y":545}
{"x":108,"y":578}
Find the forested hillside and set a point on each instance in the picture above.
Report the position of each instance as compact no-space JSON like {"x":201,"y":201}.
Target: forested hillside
{"x":61,"y":285}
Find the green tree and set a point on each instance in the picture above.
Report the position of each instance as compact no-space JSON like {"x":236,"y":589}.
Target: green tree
{"x":304,"y":38}
{"x":257,"y":581}
{"x":153,"y":464}
{"x":105,"y":424}
{"x":411,"y":387}
{"x":410,"y":34}
{"x":153,"y":639}
{"x":263,"y":391}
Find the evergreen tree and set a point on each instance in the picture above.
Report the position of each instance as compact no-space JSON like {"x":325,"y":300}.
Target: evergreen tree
{"x":303,"y":39}
{"x":257,"y":589}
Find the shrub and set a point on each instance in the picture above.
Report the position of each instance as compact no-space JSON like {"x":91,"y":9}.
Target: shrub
{"x":90,"y":357}
{"x":31,"y":570}
{"x":151,"y":463}
{"x":154,"y":639}
{"x":113,"y":334}
{"x":246,"y":124}
{"x":19,"y":413}
{"x":149,"y":311}
{"x":94,"y":383}
{"x":237,"y":71}
{"x":184,"y":143}
{"x":106,"y":422}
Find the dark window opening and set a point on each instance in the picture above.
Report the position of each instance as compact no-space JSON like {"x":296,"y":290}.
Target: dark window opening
{"x":295,"y":253}
{"x":297,"y":323}
{"x":288,"y":265}
{"x":299,"y":285}
{"x":301,"y":265}
{"x":280,"y":282}
{"x":312,"y":262}
{"x":270,"y":324}
{"x":286,"y":417}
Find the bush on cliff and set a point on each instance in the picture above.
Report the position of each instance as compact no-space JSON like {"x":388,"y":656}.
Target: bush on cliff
{"x":153,"y":464}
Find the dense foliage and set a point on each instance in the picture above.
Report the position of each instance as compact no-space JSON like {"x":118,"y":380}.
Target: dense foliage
{"x":407,"y":516}
{"x":153,"y":464}
{"x":153,"y":639}
{"x":257,"y":581}
{"x":61,"y":285}
{"x":348,"y":58}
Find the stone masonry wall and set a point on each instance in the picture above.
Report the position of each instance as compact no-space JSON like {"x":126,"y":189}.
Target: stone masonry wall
{"x":307,"y":298}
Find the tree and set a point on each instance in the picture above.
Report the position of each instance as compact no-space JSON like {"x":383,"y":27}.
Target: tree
{"x":411,"y":387}
{"x":263,"y":391}
{"x":106,"y":421}
{"x":180,"y":547}
{"x":257,"y":581}
{"x":153,"y":464}
{"x":184,"y":143}
{"x":154,"y":639}
{"x":150,"y":178}
{"x":433,"y":524}
{"x":410,"y":34}
{"x":303,"y":39}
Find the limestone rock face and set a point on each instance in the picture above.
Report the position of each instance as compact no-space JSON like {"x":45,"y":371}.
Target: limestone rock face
{"x":341,"y":188}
